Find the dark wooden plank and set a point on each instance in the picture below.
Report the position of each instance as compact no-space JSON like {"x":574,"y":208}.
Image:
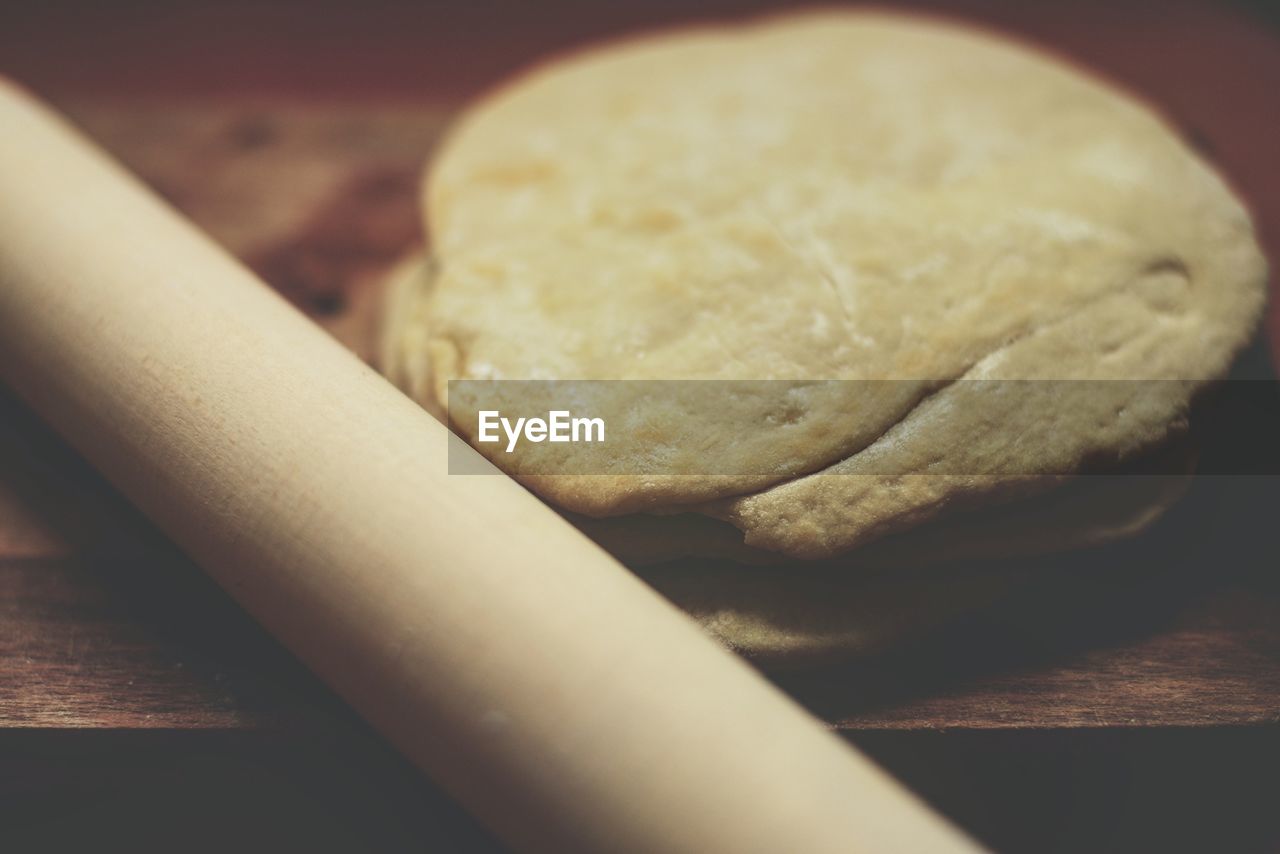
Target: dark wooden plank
{"x":320,"y":200}
{"x":82,"y":649}
{"x":1164,"y":631}
{"x":148,"y":642}
{"x":105,"y":626}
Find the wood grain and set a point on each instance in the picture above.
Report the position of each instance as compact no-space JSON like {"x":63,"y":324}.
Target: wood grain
{"x":104,"y":625}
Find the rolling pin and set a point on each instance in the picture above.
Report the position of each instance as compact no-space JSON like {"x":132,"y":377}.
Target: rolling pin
{"x":548,"y":689}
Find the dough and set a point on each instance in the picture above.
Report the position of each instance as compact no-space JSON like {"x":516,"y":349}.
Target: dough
{"x":835,"y":196}
{"x":979,"y":270}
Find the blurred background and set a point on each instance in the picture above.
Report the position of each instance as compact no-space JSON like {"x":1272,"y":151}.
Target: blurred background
{"x":441,"y":49}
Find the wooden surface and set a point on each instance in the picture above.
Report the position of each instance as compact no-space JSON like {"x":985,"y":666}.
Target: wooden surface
{"x":104,"y":626}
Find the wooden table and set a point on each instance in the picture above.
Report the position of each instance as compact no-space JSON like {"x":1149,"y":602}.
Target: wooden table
{"x":1153,"y":666}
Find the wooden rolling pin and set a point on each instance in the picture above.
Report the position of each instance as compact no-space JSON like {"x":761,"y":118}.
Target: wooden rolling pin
{"x":536,"y":679}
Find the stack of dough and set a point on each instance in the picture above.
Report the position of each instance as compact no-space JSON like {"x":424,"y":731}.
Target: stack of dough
{"x":850,"y":197}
